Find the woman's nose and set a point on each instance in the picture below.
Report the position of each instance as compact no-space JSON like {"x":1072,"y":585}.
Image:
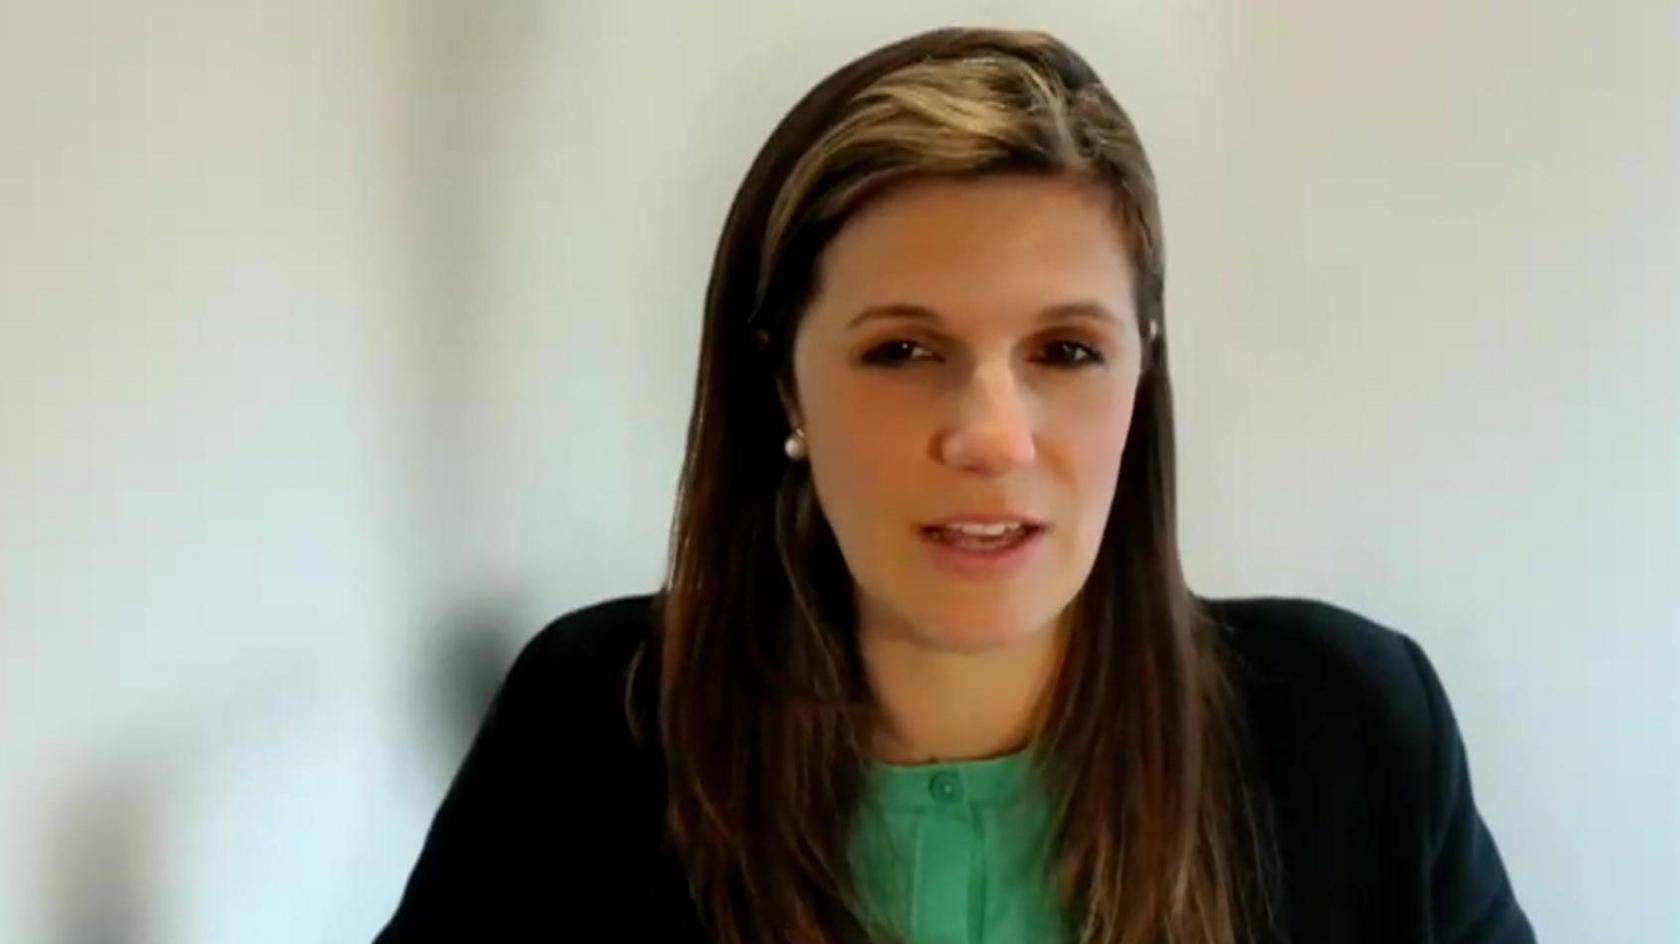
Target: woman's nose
{"x":992,"y":432}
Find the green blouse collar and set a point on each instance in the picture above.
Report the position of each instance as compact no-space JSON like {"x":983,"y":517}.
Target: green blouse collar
{"x":993,"y":781}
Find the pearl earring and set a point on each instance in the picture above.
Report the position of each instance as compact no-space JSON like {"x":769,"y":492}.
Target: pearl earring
{"x":794,"y":446}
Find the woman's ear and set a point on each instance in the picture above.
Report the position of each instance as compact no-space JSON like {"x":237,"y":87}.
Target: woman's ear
{"x":790,"y":402}
{"x":790,"y":405}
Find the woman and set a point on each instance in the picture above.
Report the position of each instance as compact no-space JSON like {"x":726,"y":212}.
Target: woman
{"x":925,"y":667}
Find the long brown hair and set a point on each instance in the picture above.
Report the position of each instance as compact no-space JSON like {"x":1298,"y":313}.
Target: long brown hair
{"x":763,"y":712}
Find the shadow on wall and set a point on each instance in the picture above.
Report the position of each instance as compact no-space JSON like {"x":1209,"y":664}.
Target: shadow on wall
{"x":101,"y":880}
{"x":463,"y":674}
{"x":132,"y":837}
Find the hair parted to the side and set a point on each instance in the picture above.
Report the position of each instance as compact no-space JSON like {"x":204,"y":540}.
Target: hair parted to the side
{"x":763,"y":713}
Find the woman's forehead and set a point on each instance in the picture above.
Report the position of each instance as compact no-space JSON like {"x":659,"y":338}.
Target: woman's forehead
{"x":1015,"y":246}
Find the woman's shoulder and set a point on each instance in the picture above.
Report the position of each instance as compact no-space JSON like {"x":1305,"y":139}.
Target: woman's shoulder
{"x":557,"y":806}
{"x":1279,"y":639}
{"x":570,"y":680}
{"x":1367,"y":773}
{"x":598,"y":638}
{"x":1325,"y":685}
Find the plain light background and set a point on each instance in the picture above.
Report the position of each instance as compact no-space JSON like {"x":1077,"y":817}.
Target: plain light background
{"x":343,"y":344}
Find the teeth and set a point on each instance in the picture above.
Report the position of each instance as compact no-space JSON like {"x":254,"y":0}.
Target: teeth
{"x":989,"y":530}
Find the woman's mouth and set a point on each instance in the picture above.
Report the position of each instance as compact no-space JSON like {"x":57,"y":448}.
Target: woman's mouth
{"x":983,"y":549}
{"x":987,"y":537}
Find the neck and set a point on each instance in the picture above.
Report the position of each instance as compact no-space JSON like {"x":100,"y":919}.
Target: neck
{"x":946,"y":705}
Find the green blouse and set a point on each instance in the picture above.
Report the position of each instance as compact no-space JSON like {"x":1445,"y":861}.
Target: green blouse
{"x":958,"y":853}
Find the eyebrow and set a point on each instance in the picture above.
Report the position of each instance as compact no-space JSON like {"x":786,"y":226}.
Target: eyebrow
{"x":1082,"y":308}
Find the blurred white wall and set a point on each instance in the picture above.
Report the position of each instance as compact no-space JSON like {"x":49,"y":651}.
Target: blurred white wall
{"x":335,"y":336}
{"x":210,"y":417}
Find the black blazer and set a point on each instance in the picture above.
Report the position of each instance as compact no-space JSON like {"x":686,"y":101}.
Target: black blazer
{"x":551,"y":830}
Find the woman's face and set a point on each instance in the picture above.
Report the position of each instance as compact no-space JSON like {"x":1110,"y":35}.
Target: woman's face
{"x":971,"y":354}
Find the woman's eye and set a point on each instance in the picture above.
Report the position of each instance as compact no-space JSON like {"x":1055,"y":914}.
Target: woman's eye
{"x":893,"y":353}
{"x":1071,"y":354}
{"x":1057,"y":354}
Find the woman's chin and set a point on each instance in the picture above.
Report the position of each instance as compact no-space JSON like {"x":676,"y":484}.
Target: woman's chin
{"x":980,"y":632}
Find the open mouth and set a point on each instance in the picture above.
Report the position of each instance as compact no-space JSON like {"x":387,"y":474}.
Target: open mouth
{"x":989,"y":538}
